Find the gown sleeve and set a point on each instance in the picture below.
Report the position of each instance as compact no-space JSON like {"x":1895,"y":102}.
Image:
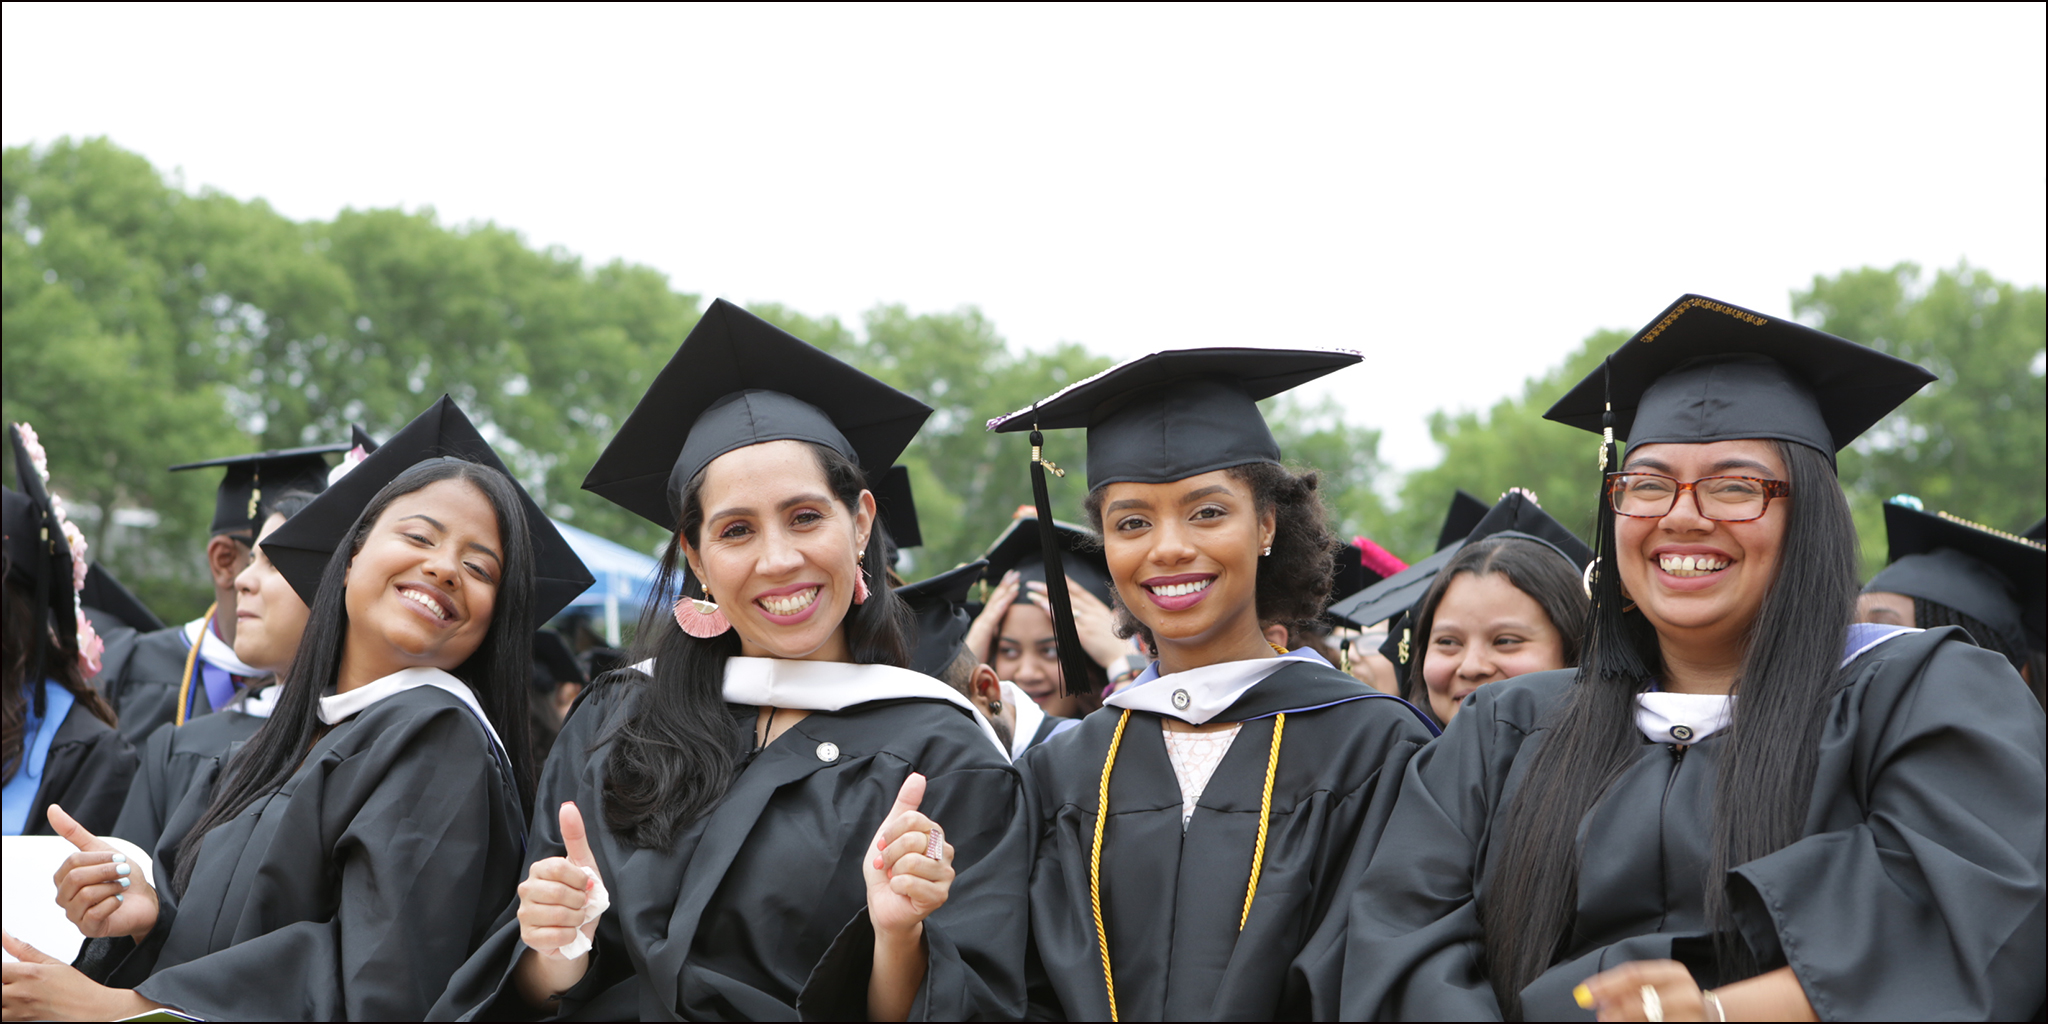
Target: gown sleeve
{"x":1414,"y":944}
{"x":1929,"y":902}
{"x":88,"y":774}
{"x":416,"y":873}
{"x":141,"y":820}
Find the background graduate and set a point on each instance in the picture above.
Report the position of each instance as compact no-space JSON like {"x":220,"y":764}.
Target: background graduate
{"x":761,"y":798}
{"x":1013,"y":631}
{"x":1195,"y":833}
{"x":1505,"y":599}
{"x":1947,"y":571}
{"x":270,"y":617}
{"x":57,"y":744}
{"x":189,"y":669}
{"x":1739,"y":806}
{"x":357,"y":849}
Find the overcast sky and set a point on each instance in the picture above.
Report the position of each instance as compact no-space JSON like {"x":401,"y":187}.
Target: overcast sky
{"x":1462,"y":193}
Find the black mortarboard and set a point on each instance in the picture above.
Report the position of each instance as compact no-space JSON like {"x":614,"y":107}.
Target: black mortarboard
{"x":1513,"y":516}
{"x":553,"y":661}
{"x":739,"y":380}
{"x":302,"y":546}
{"x":2038,"y":531}
{"x":252,"y":480}
{"x":1360,"y":564}
{"x":104,"y":592}
{"x":1172,"y":415}
{"x":1020,"y":548}
{"x":1465,"y":513}
{"x":1990,"y":575}
{"x":360,"y":438}
{"x":938,"y":606}
{"x":1705,"y":371}
{"x":897,"y":509}
{"x":38,"y":554}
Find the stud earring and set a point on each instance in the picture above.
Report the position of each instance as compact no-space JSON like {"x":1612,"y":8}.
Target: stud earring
{"x":1267,"y":550}
{"x":700,"y":617}
{"x":995,"y":707}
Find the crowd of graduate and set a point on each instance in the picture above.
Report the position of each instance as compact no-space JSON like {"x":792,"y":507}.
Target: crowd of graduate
{"x":1197,"y":758}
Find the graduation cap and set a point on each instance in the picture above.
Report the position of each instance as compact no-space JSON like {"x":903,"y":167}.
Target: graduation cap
{"x":1465,"y":513}
{"x":1704,"y":370}
{"x":1516,"y":515}
{"x":1989,"y":575}
{"x":739,"y":380}
{"x":105,"y":593}
{"x":302,"y":546}
{"x":553,"y":662}
{"x":897,"y":510}
{"x":360,"y":438}
{"x":939,"y":606}
{"x":1021,"y":547}
{"x":1362,"y":563}
{"x":2038,"y":531}
{"x":1156,"y":419}
{"x":251,"y":480}
{"x":38,"y":554}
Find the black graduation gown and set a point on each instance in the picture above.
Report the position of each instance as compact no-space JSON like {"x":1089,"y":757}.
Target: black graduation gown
{"x":87,"y":773}
{"x":143,"y":688}
{"x":351,"y":893}
{"x":1171,"y":900}
{"x":764,"y":896}
{"x":1916,"y":894}
{"x":171,"y":759}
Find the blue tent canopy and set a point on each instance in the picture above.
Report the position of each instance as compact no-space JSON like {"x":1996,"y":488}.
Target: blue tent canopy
{"x":625,"y":577}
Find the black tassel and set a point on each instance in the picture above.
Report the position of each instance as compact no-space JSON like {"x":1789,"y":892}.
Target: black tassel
{"x":1611,"y":645}
{"x":1073,"y":661}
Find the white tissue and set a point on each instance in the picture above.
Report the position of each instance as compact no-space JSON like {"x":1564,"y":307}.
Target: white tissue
{"x":595,"y":902}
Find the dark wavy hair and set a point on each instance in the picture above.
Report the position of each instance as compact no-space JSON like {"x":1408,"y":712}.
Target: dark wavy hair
{"x":498,"y":672}
{"x":1532,"y":568}
{"x":2013,"y":647}
{"x":673,"y":758}
{"x":1790,"y":671}
{"x":1294,"y":581}
{"x":60,"y":662}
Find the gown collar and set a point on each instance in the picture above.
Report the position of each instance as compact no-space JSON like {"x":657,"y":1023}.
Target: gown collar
{"x":340,"y":707}
{"x":1691,"y":717}
{"x":1200,"y":694}
{"x":1028,"y":718}
{"x":836,"y":686}
{"x":216,"y":651}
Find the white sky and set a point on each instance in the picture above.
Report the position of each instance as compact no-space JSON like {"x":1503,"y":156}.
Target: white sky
{"x":1463,"y":193}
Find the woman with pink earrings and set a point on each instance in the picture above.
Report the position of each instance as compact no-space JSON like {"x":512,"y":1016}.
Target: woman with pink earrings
{"x":769,"y":815}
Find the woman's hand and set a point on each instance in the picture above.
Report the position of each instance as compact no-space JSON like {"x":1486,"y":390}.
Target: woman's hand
{"x":42,"y":987}
{"x":554,"y":901}
{"x":100,"y":891}
{"x":1618,"y":995}
{"x":906,"y":883}
{"x":1093,"y":620}
{"x":982,"y":632}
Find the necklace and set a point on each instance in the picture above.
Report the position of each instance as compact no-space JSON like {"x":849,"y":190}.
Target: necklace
{"x":1102,"y":818}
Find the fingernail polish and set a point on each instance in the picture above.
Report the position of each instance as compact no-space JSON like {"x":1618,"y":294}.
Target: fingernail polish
{"x":120,"y":858}
{"x":123,"y":881}
{"x":122,"y":869}
{"x":1583,"y":996}
{"x":120,"y":898}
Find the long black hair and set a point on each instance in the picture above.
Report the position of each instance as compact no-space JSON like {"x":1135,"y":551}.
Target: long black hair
{"x":497,"y":672}
{"x":672,"y":760}
{"x":1790,"y":670}
{"x":60,"y":663}
{"x":1530,"y":567}
{"x":1930,"y":614}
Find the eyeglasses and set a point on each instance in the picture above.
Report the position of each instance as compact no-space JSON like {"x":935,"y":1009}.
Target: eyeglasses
{"x":1725,"y":499}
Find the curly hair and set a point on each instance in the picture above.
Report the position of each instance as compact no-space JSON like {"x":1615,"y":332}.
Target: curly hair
{"x":1295,"y":580}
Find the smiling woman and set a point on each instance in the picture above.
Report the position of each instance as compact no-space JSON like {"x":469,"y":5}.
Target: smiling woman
{"x":772,"y":778}
{"x":1182,"y":875}
{"x":1738,"y":806}
{"x":385,"y":790}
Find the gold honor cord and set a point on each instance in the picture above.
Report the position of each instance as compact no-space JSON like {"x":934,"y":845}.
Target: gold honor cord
{"x":1102,"y":818}
{"x":191,"y":660}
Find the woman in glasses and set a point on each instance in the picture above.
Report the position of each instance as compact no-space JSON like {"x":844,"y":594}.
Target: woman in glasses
{"x":1739,"y":806}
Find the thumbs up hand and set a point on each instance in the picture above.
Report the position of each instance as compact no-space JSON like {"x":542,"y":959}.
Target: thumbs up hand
{"x":911,"y":872}
{"x":562,"y":897}
{"x":100,"y":891}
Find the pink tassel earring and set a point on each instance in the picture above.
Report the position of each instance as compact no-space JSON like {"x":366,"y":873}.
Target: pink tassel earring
{"x":860,"y":580}
{"x":701,"y":618}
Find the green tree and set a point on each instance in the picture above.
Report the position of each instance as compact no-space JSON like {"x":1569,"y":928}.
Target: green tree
{"x":1971,"y":443}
